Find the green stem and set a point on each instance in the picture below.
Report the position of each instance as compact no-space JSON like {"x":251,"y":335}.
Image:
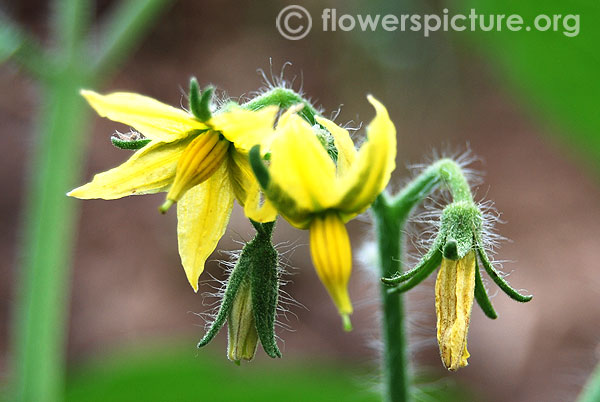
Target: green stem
{"x":122,"y":30}
{"x":391,"y":215}
{"x":284,"y":98}
{"x":591,"y":391}
{"x":44,"y":279}
{"x":388,"y":226}
{"x":444,"y":171}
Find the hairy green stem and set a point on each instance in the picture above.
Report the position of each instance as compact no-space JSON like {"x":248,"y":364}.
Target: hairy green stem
{"x":391,"y":215}
{"x":388,"y":226}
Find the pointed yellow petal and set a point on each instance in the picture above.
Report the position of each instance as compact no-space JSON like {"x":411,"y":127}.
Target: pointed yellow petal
{"x":454,"y":293}
{"x":343,"y":143}
{"x":202,"y":217}
{"x":375,"y":162}
{"x":332,"y":257}
{"x":149,"y":170}
{"x":152,"y":118}
{"x":247,"y":128}
{"x":301,"y":166}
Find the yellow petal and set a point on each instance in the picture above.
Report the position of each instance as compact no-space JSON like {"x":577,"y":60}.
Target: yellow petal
{"x":257,"y":212}
{"x":302,"y":167}
{"x":149,"y":170}
{"x":241,"y":176}
{"x":247,"y":128}
{"x":202,"y":217}
{"x":332,"y":258}
{"x":454,"y":293}
{"x":200,"y":159}
{"x":376,"y":160}
{"x":343,"y":143}
{"x":152,"y":118}
{"x":247,"y":190}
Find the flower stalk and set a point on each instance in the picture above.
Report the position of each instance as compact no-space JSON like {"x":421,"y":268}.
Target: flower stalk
{"x":457,"y":245}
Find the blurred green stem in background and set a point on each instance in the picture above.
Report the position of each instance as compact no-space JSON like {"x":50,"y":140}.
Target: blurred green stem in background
{"x":55,"y":167}
{"x":391,"y":214}
{"x":591,"y":391}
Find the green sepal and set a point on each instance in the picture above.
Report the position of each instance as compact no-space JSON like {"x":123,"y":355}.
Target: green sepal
{"x":131,"y":145}
{"x":429,"y":265}
{"x":264,"y":280}
{"x":424,"y":264}
{"x":236,"y":278}
{"x":491,"y":271}
{"x":451,"y":250}
{"x":199,"y":103}
{"x":258,"y":167}
{"x":481,"y":295}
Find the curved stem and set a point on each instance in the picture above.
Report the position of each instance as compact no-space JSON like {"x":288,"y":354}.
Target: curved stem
{"x":390,"y":215}
{"x":446,"y":172}
{"x":284,"y":98}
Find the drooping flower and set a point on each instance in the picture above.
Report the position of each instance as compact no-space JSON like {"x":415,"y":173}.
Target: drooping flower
{"x":313,"y":191}
{"x":454,"y":292}
{"x":455,"y":250}
{"x":201,"y":162}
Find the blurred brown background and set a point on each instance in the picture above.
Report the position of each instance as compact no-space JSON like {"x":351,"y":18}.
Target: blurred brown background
{"x":129,"y":287}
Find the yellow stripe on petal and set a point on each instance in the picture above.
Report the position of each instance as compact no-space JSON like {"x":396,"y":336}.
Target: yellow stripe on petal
{"x":154,"y":119}
{"x":200,"y":159}
{"x":247,"y":128}
{"x":332,"y":258}
{"x":202,"y":217}
{"x":343,"y":143}
{"x":301,"y":166}
{"x":149,"y":170}
{"x":454,"y":293}
{"x":375,"y":162}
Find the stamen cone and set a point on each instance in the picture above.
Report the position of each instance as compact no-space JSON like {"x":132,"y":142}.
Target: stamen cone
{"x":200,"y":159}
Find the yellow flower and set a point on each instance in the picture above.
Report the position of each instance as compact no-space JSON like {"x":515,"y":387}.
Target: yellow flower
{"x":311,"y":191}
{"x":454,"y":293}
{"x":202,"y":165}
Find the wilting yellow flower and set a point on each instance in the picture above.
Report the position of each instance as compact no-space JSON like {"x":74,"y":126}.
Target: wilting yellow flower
{"x":312,"y":191}
{"x":202,"y":165}
{"x":454,"y":293}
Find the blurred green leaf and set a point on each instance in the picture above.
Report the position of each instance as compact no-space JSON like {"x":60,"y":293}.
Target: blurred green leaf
{"x":555,"y":73}
{"x":184,"y":374}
